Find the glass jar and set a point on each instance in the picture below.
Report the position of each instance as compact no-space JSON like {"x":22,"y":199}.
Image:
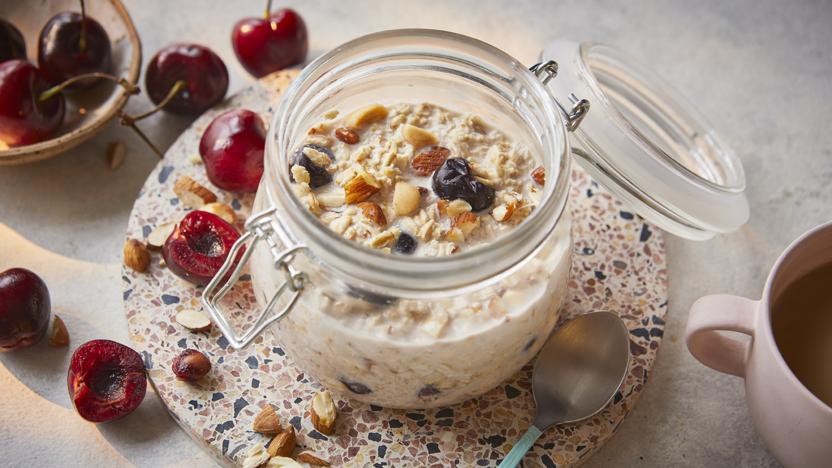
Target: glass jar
{"x":417,"y":332}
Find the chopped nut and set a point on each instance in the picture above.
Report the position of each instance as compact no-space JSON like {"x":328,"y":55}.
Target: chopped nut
{"x":374,"y":213}
{"x":59,"y":336}
{"x":347,"y":135}
{"x":466,"y":222}
{"x":256,"y":456}
{"x":503,"y":212}
{"x":539,"y":175}
{"x":360,"y":188}
{"x":366,"y":115}
{"x":300,"y":174}
{"x":267,"y":422}
{"x":341,"y":224}
{"x":116,"y":151}
{"x":426,"y":162}
{"x":283,"y":444}
{"x":331,"y":114}
{"x":382,"y":239}
{"x":310,"y":458}
{"x":220,"y":209}
{"x":323,"y":412}
{"x":282,"y":462}
{"x":193,"y":320}
{"x":136,"y":255}
{"x":406,"y":199}
{"x":418,"y":137}
{"x":318,"y":129}
{"x":457,"y":207}
{"x":442,"y":207}
{"x":426,"y":232}
{"x":455,"y":235}
{"x":157,"y":237}
{"x":191,"y":193}
{"x":318,"y":158}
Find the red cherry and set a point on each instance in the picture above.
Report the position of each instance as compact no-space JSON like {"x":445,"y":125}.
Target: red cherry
{"x":12,"y":45}
{"x":198,"y":246}
{"x":60,"y":56}
{"x":232,"y":150}
{"x":265,"y":45}
{"x":24,"y":119}
{"x":24,"y":309}
{"x":202,"y":71}
{"x":106,"y":380}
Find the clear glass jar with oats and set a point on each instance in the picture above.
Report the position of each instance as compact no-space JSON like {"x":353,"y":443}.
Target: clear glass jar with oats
{"x":411,"y":238}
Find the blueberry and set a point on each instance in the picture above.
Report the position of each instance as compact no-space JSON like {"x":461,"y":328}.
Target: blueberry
{"x":405,"y":244}
{"x":454,"y":180}
{"x":356,"y":387}
{"x":318,"y":176}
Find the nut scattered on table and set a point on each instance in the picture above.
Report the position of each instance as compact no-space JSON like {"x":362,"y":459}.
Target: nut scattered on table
{"x":193,"y":320}
{"x":191,"y":365}
{"x":116,"y":152}
{"x":192,"y":193}
{"x":256,"y":456}
{"x":136,"y":255}
{"x":267,"y":422}
{"x":308,"y":457}
{"x":60,"y":335}
{"x":323,"y":412}
{"x":157,"y":237}
{"x":282,"y":462}
{"x":220,"y":209}
{"x":283,"y":444}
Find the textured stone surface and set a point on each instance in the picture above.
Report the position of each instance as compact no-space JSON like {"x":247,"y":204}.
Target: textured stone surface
{"x":759,"y":69}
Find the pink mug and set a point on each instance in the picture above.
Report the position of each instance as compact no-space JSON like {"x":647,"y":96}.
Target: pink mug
{"x":794,"y":423}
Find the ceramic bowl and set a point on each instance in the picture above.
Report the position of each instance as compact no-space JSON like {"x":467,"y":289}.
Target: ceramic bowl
{"x":87,"y":111}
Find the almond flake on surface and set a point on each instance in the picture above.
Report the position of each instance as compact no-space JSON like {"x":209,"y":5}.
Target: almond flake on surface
{"x":60,"y":335}
{"x":457,"y":207}
{"x":136,"y":255}
{"x":539,"y":175}
{"x":347,"y":135}
{"x":428,"y":161}
{"x":157,"y":237}
{"x":308,"y":457}
{"x":195,"y":159}
{"x":319,"y":158}
{"x":406,"y":199}
{"x":282,"y":462}
{"x":283,"y":443}
{"x":193,"y":320}
{"x":374,"y":213}
{"x":116,"y":152}
{"x":256,"y":456}
{"x":466,"y":222}
{"x":300,"y":174}
{"x":366,"y":116}
{"x":323,"y":412}
{"x":220,"y":209}
{"x":267,"y":421}
{"x":192,"y":194}
{"x":418,"y":137}
{"x":360,"y":188}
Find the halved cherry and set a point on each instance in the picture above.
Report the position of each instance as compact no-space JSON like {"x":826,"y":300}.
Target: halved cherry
{"x":198,"y":246}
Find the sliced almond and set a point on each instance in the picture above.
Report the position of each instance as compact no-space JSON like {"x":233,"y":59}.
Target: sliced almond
{"x":283,"y":444}
{"x":457,"y":207}
{"x":308,"y":457}
{"x":220,"y":209}
{"x":282,"y":462}
{"x":267,"y":422}
{"x":193,"y":320}
{"x":466,"y":222}
{"x":374,"y":213}
{"x":136,"y":255}
{"x":366,"y":116}
{"x":191,"y":193}
{"x":323,"y":412}
{"x":157,"y":237}
{"x":418,"y":137}
{"x":539,"y":175}
{"x":59,"y":336}
{"x":256,"y":456}
{"x":116,"y":151}
{"x":503,"y":212}
{"x":319,"y":158}
{"x":406,"y":199}
{"x":360,"y":188}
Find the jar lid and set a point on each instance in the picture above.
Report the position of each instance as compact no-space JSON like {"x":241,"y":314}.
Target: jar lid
{"x":644,"y":142}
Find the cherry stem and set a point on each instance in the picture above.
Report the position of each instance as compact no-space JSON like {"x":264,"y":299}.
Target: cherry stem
{"x":130,"y":122}
{"x":51,"y":92}
{"x":82,"y":41}
{"x":174,"y":90}
{"x":268,"y":9}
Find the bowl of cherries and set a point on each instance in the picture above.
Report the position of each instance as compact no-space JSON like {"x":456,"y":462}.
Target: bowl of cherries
{"x":67,"y":68}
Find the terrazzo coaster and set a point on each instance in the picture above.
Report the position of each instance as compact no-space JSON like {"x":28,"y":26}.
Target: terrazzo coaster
{"x":619,"y":265}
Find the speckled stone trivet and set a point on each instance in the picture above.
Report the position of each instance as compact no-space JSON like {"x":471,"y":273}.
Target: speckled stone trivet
{"x":619,"y":265}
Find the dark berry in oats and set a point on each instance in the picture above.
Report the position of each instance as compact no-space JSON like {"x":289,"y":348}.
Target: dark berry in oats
{"x":405,"y":244}
{"x":356,"y":387}
{"x":12,"y":45}
{"x":191,"y":365}
{"x":454,"y":180}
{"x":318,"y":176}
{"x":198,"y":246}
{"x":347,"y":135}
{"x":71,"y":45}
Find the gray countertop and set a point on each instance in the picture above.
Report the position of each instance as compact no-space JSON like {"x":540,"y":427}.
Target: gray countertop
{"x":760,"y":70}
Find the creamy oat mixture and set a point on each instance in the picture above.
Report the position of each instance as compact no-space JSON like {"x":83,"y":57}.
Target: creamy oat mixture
{"x":415,"y":178}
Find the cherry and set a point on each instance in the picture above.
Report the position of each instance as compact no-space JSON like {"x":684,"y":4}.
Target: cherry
{"x":191,"y":365}
{"x":24,"y":309}
{"x":70,"y":45}
{"x":273,"y":42}
{"x":232,"y":150}
{"x":24,"y":117}
{"x":12,"y":45}
{"x":202,"y":72}
{"x":198,"y":246}
{"x":106,"y":380}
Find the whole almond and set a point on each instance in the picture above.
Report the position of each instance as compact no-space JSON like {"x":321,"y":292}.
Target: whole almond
{"x":115,"y":154}
{"x":283,"y":444}
{"x":220,"y":209}
{"x":323,"y":412}
{"x":157,"y":237}
{"x":267,"y":422}
{"x":374,"y":213}
{"x":426,"y":162}
{"x":308,"y":457}
{"x":347,"y":135}
{"x":192,"y":193}
{"x":539,"y":175}
{"x":136,"y":255}
{"x":59,"y":336}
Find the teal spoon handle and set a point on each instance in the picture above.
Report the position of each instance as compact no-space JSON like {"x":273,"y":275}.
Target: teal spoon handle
{"x":520,"y":448}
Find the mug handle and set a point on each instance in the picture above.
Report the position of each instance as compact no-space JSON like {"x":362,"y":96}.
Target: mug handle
{"x":721,"y":312}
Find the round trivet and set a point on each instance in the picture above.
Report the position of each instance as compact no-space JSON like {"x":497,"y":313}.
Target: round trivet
{"x":619,"y":265}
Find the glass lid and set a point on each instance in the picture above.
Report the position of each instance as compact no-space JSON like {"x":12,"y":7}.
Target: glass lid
{"x":645,"y":142}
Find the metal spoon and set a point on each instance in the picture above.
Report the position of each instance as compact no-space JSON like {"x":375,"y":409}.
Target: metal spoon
{"x":576,"y":374}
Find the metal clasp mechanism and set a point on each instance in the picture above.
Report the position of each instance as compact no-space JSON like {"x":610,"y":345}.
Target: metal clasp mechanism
{"x":580,"y":107}
{"x":258,"y":228}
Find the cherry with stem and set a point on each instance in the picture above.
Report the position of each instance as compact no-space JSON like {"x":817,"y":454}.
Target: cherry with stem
{"x":82,"y":41}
